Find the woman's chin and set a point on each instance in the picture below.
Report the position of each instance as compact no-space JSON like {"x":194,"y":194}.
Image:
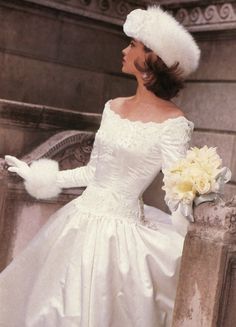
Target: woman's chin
{"x":125,"y":70}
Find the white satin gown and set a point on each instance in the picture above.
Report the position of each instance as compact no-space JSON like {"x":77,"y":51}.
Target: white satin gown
{"x":104,"y":259}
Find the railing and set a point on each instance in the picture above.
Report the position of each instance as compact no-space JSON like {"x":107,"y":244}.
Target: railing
{"x":21,"y":216}
{"x":206,"y":293}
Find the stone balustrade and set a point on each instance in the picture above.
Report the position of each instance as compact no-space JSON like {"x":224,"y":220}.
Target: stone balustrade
{"x":206,"y":293}
{"x":21,"y":216}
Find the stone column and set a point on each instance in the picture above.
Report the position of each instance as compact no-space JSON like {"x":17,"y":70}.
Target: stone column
{"x":206,"y":293}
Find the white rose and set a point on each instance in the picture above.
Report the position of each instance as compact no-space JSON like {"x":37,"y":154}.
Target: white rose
{"x":202,"y":184}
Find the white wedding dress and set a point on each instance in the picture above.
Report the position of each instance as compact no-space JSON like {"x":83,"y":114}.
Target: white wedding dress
{"x":98,"y":261}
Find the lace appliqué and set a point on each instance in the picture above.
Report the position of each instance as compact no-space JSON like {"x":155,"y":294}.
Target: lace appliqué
{"x":100,"y":203}
{"x":144,"y":220}
{"x":126,"y":133}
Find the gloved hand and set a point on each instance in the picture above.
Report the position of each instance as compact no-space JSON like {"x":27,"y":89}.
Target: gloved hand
{"x":18,"y":166}
{"x":40,"y":178}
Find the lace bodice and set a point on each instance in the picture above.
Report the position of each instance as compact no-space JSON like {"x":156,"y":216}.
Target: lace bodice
{"x":126,"y":157}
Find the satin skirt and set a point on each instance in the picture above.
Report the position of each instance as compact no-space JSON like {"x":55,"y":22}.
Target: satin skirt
{"x":83,"y":270}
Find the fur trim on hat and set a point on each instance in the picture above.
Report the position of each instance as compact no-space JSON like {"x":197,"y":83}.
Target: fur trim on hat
{"x":42,"y":181}
{"x":163,"y":34}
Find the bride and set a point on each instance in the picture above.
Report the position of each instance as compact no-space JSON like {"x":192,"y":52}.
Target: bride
{"x":98,"y":261}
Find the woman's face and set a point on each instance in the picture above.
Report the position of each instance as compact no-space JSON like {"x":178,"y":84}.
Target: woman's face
{"x":134,"y":51}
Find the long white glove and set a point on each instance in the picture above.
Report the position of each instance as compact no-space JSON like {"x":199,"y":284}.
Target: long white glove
{"x":18,"y":166}
{"x":40,"y":178}
{"x":43,"y":180}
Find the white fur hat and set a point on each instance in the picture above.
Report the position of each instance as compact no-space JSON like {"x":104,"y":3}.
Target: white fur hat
{"x":165,"y":36}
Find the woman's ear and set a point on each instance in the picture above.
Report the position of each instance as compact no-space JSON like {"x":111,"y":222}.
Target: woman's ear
{"x":152,"y":56}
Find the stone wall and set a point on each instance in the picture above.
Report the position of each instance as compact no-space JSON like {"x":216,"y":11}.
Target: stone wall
{"x":24,"y":126}
{"x":54,"y":55}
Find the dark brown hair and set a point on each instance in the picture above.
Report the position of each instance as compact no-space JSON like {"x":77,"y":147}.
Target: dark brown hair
{"x":163,"y":81}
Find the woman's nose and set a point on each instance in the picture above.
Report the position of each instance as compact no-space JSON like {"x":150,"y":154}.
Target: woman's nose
{"x":124,"y":50}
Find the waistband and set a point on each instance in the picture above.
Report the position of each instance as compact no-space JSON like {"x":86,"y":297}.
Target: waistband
{"x":100,"y":202}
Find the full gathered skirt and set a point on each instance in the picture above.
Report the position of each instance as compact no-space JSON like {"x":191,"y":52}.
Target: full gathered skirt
{"x":83,"y":270}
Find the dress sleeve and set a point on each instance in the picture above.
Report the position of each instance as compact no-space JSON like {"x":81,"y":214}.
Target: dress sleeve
{"x":175,"y":139}
{"x":80,"y":176}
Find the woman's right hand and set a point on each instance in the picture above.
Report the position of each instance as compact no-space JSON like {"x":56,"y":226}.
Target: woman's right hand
{"x":17,"y":166}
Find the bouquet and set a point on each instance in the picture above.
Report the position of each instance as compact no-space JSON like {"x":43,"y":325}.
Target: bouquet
{"x":197,"y":178}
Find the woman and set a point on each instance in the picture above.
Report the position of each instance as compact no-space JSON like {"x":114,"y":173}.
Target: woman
{"x":98,"y":261}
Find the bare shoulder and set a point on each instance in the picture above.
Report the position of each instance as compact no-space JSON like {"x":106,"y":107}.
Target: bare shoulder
{"x":172,"y":111}
{"x":176,"y":112}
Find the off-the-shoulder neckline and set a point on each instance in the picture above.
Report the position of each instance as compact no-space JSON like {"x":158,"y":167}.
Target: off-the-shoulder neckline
{"x":153,"y":123}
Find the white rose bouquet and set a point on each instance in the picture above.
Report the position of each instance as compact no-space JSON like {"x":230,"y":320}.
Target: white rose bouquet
{"x":197,"y":178}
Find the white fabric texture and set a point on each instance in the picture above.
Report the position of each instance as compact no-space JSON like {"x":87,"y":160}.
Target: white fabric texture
{"x":104,"y":259}
{"x":41,"y":181}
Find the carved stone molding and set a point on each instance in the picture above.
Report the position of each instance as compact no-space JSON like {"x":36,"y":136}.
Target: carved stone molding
{"x":218,"y":16}
{"x":70,"y":148}
{"x":208,"y":18}
{"x":103,"y":10}
{"x":194,"y":14}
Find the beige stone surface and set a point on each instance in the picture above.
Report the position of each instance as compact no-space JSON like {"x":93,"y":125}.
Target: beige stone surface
{"x":230,"y":191}
{"x":225,"y":144}
{"x":29,"y":32}
{"x":210,"y":105}
{"x":217,"y":62}
{"x":57,"y":60}
{"x":23,"y":127}
{"x":118,"y":86}
{"x":207,"y":274}
{"x":197,"y":292}
{"x":18,"y":141}
{"x":233,"y":164}
{"x":91,"y":47}
{"x":50,"y":84}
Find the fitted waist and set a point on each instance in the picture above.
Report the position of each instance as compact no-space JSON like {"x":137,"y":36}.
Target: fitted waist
{"x":100,"y":201}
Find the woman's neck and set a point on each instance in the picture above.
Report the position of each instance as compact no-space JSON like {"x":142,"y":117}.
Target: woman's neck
{"x":143,"y":95}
